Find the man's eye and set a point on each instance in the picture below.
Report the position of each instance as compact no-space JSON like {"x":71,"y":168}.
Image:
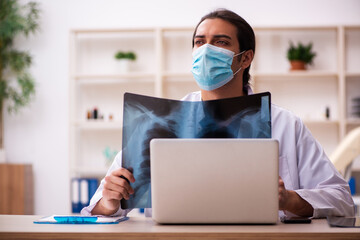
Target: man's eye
{"x":199,"y":42}
{"x":221,"y":43}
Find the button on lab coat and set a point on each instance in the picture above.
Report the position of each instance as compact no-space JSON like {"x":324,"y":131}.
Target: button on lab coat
{"x":303,"y":166}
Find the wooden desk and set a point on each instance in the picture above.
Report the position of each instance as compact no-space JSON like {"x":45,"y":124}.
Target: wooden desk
{"x":22,"y":227}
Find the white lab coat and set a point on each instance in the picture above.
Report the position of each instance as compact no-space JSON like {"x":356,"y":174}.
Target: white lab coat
{"x":303,"y":166}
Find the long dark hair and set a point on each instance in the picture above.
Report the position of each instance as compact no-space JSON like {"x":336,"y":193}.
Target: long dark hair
{"x":245,"y":35}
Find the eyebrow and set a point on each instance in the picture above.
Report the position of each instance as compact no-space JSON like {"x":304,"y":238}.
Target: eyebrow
{"x":215,"y":36}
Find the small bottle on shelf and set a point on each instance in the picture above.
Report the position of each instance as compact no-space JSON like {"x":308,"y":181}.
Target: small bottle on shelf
{"x":88,"y":114}
{"x":327,"y":113}
{"x":95,"y":113}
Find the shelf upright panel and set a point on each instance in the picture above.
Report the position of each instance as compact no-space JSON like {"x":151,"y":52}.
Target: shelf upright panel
{"x":72,"y":110}
{"x":352,"y":76}
{"x":342,"y":87}
{"x":159,"y":91}
{"x":72,"y":101}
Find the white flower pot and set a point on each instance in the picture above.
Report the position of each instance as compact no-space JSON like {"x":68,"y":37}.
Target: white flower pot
{"x":123,"y":65}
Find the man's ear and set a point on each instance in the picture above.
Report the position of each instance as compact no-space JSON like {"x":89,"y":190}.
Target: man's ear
{"x":247,"y":58}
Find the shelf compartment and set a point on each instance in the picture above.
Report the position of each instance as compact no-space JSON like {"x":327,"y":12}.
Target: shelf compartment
{"x":177,"y":50}
{"x":352,"y":87}
{"x":106,"y":97}
{"x":272,"y":45}
{"x":95,"y":51}
{"x":308,"y":98}
{"x":352,"y":49}
{"x":89,"y":154}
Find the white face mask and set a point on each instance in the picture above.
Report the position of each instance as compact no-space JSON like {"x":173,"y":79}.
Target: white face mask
{"x":211,"y":66}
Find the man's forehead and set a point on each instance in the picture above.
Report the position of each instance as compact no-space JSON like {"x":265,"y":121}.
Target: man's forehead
{"x":216,"y":27}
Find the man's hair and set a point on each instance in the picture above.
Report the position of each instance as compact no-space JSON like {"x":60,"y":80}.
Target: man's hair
{"x":245,"y":35}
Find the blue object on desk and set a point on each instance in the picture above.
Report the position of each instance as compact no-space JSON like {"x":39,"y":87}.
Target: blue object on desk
{"x":62,"y":219}
{"x":75,"y":219}
{"x":352,"y":185}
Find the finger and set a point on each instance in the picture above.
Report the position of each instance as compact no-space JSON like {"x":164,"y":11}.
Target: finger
{"x":116,"y":192}
{"x":118,"y":184}
{"x":123,"y":172}
{"x":113,"y":186}
{"x":282,"y":191}
{"x":281,"y":197}
{"x":121,"y":183}
{"x":281,"y":200}
{"x":280,"y":180}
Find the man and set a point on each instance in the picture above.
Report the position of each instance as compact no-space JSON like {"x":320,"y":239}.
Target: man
{"x":223,"y":49}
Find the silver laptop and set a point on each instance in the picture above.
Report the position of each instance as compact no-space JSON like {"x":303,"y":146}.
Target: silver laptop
{"x":214,"y":181}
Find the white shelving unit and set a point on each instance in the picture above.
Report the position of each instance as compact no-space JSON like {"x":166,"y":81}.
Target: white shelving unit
{"x":162,"y":69}
{"x":331,"y":82}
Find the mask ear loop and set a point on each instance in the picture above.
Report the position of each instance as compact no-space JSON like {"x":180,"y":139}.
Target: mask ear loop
{"x":239,"y":53}
{"x":240,"y":67}
{"x":237,"y":71}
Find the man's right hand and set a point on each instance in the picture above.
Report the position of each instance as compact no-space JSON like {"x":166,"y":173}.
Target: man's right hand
{"x":115,"y":189}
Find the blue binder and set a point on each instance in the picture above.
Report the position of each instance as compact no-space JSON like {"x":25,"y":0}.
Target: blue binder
{"x":82,"y":190}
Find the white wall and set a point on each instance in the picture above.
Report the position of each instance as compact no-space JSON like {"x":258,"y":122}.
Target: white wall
{"x":39,"y":133}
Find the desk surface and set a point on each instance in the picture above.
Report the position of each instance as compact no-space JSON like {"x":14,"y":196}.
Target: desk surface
{"x":22,"y":227}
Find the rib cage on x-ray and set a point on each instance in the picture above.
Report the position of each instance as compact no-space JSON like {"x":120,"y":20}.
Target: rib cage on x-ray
{"x":145,"y":118}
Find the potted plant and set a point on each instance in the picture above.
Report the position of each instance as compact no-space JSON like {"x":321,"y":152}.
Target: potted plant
{"x":124,"y":59}
{"x":16,"y":84}
{"x":300,"y":55}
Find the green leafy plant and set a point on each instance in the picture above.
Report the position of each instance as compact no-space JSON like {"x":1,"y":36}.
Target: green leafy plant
{"x":16,"y":20}
{"x":301,"y":52}
{"x":125,"y":55}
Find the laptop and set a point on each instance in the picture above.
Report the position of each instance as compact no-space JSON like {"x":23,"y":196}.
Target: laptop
{"x":214,"y":181}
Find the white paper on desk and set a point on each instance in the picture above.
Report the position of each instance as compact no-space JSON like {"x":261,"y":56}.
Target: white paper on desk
{"x":74,"y":219}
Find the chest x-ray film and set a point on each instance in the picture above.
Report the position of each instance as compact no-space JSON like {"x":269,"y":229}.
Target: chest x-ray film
{"x":146,"y":118}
